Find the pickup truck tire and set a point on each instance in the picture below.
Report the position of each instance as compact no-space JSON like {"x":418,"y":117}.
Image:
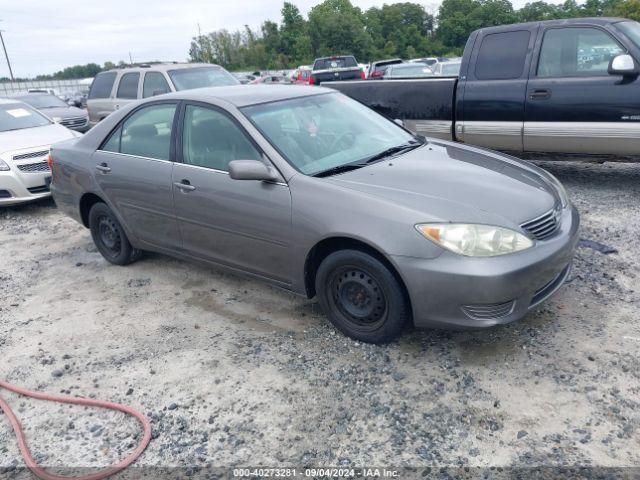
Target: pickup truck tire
{"x":109,"y":237}
{"x":361,"y":296}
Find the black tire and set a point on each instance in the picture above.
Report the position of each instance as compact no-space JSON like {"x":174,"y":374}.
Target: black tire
{"x":109,"y":236}
{"x":362,"y":297}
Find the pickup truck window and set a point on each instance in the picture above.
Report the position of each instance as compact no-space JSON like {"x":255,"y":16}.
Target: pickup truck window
{"x":502,"y":55}
{"x":632,"y":30}
{"x":576,"y":52}
{"x":339,"y":62}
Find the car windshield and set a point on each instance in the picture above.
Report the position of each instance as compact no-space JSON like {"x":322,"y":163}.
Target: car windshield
{"x":322,"y":132}
{"x":42,"y":101}
{"x":201,"y":77}
{"x":16,"y":116}
{"x":339,"y":62}
{"x":631,"y":30}
{"x":412,"y":70}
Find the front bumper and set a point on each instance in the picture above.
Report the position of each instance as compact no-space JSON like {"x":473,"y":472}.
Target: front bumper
{"x":18,"y":187}
{"x":453,"y":291}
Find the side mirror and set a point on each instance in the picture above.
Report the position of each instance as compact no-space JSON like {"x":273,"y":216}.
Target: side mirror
{"x":398,"y":121}
{"x":623,"y":65}
{"x":252,"y":170}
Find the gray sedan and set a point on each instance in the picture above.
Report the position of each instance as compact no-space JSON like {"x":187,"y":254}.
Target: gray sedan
{"x":313,"y":192}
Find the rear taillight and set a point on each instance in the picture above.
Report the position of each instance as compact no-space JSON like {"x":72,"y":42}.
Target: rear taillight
{"x":362,"y":76}
{"x":50,"y":162}
{"x":311,"y":82}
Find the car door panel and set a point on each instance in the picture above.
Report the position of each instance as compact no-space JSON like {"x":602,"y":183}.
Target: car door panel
{"x":573,"y":105}
{"x":239,"y":223}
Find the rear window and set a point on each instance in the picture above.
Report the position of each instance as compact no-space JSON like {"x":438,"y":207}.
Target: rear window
{"x":502,"y":55}
{"x":102,"y":85}
{"x":128,"y":87}
{"x":338,"y":62}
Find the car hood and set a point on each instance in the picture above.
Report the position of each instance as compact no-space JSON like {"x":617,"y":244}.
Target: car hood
{"x":33,"y":137}
{"x":64,"y":112}
{"x":450,"y":183}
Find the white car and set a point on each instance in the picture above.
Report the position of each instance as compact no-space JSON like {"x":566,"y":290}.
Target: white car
{"x":25,"y":138}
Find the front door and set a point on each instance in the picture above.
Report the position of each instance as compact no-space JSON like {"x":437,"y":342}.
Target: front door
{"x":133,"y":169}
{"x":244,"y":224}
{"x":573,"y":104}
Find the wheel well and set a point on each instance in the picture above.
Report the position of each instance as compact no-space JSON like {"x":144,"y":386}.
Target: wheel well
{"x":326,"y":247}
{"x":87,"y":201}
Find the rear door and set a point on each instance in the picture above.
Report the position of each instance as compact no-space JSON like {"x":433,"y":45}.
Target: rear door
{"x":133,"y":169}
{"x":495,"y":88}
{"x":243,"y":224}
{"x":127,"y":91}
{"x":573,"y":104}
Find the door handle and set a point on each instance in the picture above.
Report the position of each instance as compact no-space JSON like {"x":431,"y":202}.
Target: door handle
{"x":540,"y":95}
{"x":103,"y":167}
{"x":185,"y":186}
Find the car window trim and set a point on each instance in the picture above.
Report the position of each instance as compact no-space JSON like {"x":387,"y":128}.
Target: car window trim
{"x":561,"y":27}
{"x":180,"y":135}
{"x":132,"y":112}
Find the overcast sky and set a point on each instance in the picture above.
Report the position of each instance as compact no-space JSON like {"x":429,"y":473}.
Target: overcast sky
{"x":44,"y":36}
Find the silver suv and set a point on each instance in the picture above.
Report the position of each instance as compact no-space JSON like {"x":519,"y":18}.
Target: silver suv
{"x":114,"y":89}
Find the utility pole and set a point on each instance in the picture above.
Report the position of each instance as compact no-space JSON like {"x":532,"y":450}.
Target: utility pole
{"x":6,"y":56}
{"x":130,"y":59}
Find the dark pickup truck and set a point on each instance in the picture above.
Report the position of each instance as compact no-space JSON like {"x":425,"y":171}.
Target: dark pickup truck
{"x":567,"y":87}
{"x":335,"y":68}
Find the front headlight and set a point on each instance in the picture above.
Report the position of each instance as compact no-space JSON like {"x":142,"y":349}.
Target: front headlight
{"x":3,"y":166}
{"x":475,"y":240}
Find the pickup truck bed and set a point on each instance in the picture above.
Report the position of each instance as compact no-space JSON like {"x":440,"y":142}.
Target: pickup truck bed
{"x":425,"y":106}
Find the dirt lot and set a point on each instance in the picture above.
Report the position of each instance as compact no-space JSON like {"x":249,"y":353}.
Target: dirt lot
{"x":233,"y":372}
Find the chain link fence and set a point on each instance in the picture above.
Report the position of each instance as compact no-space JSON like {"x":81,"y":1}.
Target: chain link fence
{"x":59,"y":87}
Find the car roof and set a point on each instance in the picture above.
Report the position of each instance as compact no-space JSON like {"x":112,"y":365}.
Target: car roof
{"x":560,"y":22}
{"x":161,"y":67}
{"x":245,"y":95}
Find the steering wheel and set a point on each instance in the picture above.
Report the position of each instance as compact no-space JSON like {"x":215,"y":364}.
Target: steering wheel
{"x":341,"y":138}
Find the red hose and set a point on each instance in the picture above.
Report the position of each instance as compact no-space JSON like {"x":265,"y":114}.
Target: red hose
{"x":24,"y":449}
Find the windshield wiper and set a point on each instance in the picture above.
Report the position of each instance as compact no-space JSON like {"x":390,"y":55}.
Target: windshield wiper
{"x":339,"y":169}
{"x":403,"y":147}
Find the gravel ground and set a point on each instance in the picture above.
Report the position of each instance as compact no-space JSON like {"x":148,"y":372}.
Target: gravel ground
{"x":233,"y":372}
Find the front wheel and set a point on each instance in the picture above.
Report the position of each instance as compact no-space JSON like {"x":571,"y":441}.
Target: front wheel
{"x":362,"y":297}
{"x":109,"y":236}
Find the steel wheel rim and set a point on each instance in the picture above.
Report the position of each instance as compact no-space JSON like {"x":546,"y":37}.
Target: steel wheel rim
{"x":357,"y":295}
{"x":109,"y":235}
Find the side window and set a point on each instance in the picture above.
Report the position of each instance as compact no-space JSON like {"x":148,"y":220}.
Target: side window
{"x":211,"y":139}
{"x":576,"y":52}
{"x":502,"y":55}
{"x":102,"y":85}
{"x":146,"y":133}
{"x":154,"y":84}
{"x":128,"y":87}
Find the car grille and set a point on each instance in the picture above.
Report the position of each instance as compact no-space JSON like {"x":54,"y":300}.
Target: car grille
{"x":34,"y":167}
{"x":74,"y":122}
{"x":543,"y":226}
{"x":40,"y":189}
{"x":489,"y":311}
{"x":26,"y":156}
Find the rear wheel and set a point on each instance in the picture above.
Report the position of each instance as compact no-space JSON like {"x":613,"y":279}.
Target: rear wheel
{"x":109,"y":236}
{"x":361,"y":296}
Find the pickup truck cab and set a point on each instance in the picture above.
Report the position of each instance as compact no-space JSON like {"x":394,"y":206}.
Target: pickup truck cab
{"x":561,"y":86}
{"x":334,"y":68}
